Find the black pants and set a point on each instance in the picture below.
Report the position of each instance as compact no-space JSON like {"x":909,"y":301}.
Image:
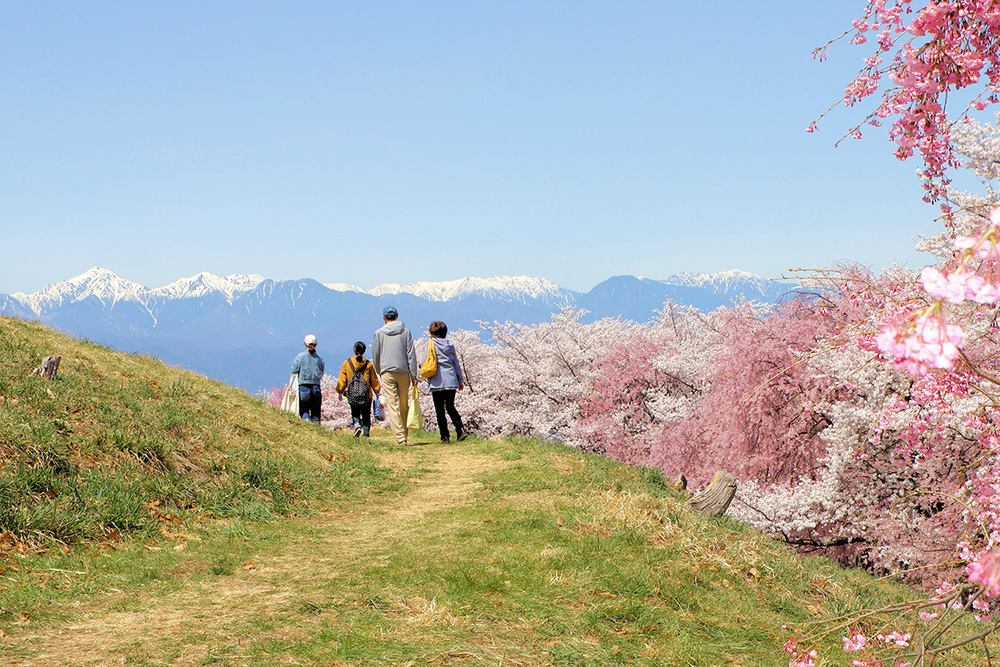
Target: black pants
{"x":361,"y":415}
{"x":444,"y":401}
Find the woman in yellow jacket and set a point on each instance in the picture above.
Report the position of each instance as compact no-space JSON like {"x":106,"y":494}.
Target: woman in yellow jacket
{"x":358,"y":381}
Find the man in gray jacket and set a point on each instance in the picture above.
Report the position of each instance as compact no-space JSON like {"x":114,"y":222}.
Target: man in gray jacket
{"x":395,"y":361}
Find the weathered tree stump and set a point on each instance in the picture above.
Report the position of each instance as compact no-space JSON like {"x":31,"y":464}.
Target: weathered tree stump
{"x":715,"y":498}
{"x":49,"y":367}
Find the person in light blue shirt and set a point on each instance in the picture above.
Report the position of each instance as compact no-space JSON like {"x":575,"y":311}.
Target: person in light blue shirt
{"x":309,"y":367}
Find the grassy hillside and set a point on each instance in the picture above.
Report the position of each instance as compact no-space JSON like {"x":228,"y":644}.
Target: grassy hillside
{"x":152,"y":517}
{"x":121,"y":444}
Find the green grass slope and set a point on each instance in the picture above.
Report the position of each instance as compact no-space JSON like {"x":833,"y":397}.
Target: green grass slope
{"x":149,"y":516}
{"x":118,"y":442}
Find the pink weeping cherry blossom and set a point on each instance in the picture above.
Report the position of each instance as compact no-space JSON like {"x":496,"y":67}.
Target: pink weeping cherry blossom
{"x":986,"y":572}
{"x":959,"y":285}
{"x":926,"y":342}
{"x":855,"y":642}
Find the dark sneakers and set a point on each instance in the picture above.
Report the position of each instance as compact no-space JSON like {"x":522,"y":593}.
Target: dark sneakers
{"x":462,"y":435}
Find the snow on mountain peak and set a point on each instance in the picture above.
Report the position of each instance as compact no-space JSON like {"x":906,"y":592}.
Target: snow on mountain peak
{"x":206,"y":283}
{"x":722,"y":281}
{"x":109,"y":288}
{"x":490,"y":287}
{"x":345,"y":287}
{"x":97,"y":282}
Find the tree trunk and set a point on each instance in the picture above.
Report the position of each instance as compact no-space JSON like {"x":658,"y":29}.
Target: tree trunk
{"x":715,"y":498}
{"x":49,"y":367}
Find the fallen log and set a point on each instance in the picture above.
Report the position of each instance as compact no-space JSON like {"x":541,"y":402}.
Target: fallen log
{"x":714,"y":499}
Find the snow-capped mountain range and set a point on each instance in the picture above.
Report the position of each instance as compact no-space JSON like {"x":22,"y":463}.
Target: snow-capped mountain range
{"x":108,"y":288}
{"x":498,"y":287}
{"x":723,"y":281}
{"x":240,"y":328}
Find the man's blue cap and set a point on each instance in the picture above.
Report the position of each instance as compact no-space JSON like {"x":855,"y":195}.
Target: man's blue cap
{"x":389,"y":311}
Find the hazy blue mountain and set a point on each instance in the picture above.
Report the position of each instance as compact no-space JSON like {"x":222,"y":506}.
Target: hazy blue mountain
{"x":13,"y":308}
{"x":245,"y":329}
{"x":638,"y":299}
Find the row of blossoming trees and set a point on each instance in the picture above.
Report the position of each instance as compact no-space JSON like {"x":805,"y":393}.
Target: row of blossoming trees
{"x":837,"y":448}
{"x":796,"y":400}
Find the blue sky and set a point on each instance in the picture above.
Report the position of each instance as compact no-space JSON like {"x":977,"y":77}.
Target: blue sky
{"x":370,"y":142}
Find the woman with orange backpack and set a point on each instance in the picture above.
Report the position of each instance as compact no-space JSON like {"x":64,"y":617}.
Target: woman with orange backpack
{"x":358,"y":381}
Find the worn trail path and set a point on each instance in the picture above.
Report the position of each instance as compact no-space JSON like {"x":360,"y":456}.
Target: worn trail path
{"x":212,"y":619}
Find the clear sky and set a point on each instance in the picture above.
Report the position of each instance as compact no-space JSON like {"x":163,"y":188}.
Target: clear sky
{"x":373,"y":142}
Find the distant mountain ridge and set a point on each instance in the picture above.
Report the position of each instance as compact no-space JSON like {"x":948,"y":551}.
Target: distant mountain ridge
{"x":723,"y":281}
{"x":244,"y":329}
{"x":109,"y":288}
{"x":499,"y":287}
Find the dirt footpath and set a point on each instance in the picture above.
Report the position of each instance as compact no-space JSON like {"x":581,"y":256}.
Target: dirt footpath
{"x":208,"y":620}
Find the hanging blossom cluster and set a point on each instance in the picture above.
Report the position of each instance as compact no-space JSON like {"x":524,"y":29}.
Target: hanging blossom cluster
{"x":986,"y":572}
{"x":925,"y":340}
{"x":945,"y":46}
{"x":984,"y":560}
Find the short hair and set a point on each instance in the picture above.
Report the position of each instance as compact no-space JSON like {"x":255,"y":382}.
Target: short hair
{"x":438,"y":329}
{"x":359,"y":348}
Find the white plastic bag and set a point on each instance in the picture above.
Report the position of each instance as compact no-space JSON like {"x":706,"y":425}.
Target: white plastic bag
{"x":290,"y":401}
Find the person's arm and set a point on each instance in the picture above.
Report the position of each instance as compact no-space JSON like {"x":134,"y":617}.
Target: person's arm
{"x":411,"y":357}
{"x":373,"y":380}
{"x":458,"y":367}
{"x":296,"y":364}
{"x":377,"y":354}
{"x":342,"y":380}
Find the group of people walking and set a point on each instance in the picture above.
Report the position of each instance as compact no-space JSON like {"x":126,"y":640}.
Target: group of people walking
{"x":391,"y":375}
